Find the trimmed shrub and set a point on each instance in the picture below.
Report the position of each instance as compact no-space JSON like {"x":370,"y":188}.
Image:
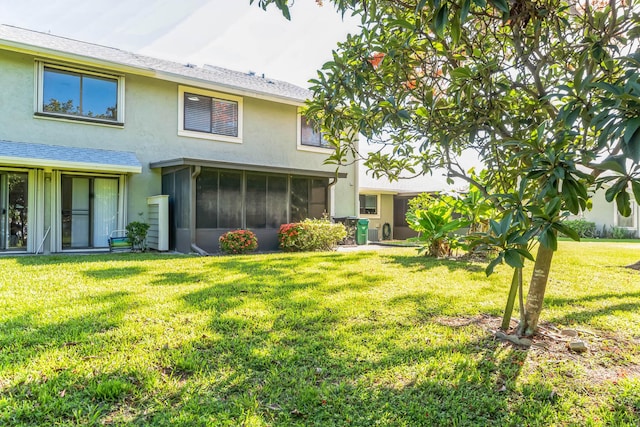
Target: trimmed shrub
{"x":291,"y":237}
{"x":238,"y":242}
{"x":137,"y":235}
{"x":311,"y":235}
{"x":583,"y":227}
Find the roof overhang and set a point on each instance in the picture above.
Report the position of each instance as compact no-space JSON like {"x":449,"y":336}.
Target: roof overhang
{"x":23,"y":154}
{"x":182,"y":161}
{"x":147,"y":71}
{"x":367,"y":190}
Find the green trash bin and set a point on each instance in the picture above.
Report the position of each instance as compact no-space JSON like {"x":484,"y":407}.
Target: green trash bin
{"x":362,"y":231}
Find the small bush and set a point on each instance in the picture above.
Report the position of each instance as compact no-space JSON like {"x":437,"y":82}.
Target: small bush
{"x":583,"y":227}
{"x":311,"y":235}
{"x":238,"y":242}
{"x":137,"y":235}
{"x":290,"y":237}
{"x":323,"y":235}
{"x":620,"y":233}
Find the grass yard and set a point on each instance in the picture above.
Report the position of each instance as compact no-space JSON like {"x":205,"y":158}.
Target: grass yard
{"x":372,"y":338}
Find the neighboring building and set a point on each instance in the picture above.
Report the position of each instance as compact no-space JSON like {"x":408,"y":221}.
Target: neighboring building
{"x":606,"y":216}
{"x":88,"y":132}
{"x":385,"y":203}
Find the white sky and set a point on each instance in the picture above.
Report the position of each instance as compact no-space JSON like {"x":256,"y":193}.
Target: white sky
{"x":226,"y":33}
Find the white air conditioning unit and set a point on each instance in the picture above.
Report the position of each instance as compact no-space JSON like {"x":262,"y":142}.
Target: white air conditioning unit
{"x":158,"y":234}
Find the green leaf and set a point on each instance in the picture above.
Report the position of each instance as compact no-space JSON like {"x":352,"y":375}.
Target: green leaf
{"x":461,"y":73}
{"x":455,"y":29}
{"x":464,"y":10}
{"x":501,"y":5}
{"x":633,"y":146}
{"x":441,"y":19}
{"x":623,"y":202}
{"x":612,"y":192}
{"x":525,"y":253}
{"x":505,"y":223}
{"x":613,"y":163}
{"x":635,"y":187}
{"x":553,"y":207}
{"x":570,"y":197}
{"x":631,"y":128}
{"x":567,"y":231}
{"x":403,"y":23}
{"x":422,"y":112}
{"x":404,"y":115}
{"x":571,"y":117}
{"x":492,"y":265}
{"x":513,"y":258}
{"x":549,"y":239}
{"x":597,"y":52}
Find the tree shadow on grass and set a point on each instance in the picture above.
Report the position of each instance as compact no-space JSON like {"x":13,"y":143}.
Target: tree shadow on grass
{"x":427,"y":263}
{"x":61,"y":259}
{"x":177,"y":279}
{"x":300,"y":362}
{"x":302,"y":376}
{"x":585,"y":316}
{"x":555,"y":300}
{"x":114,"y":272}
{"x":24,"y":338}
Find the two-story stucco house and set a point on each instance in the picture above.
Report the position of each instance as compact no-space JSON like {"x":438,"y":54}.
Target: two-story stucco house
{"x":88,"y":133}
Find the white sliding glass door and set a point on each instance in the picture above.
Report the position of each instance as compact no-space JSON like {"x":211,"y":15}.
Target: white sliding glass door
{"x":89,"y":211}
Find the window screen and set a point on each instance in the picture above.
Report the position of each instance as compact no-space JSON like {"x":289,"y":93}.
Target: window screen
{"x":210,"y":115}
{"x":230,"y":200}
{"x":207,"y":199}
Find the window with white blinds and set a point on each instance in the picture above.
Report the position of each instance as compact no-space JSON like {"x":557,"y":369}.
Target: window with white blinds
{"x":210,"y":115}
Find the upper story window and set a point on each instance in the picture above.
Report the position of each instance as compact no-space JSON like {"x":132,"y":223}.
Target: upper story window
{"x":309,"y":136}
{"x":368,"y":204}
{"x":80,"y":94}
{"x":210,"y":115}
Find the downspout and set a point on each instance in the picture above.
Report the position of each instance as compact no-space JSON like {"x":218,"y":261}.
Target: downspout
{"x":192,"y":211}
{"x":332,"y":199}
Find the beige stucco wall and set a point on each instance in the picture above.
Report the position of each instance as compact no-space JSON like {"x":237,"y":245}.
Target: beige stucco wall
{"x":151,"y":131}
{"x":385,"y":213}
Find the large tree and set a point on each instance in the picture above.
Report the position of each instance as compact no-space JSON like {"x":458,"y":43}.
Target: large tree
{"x":545,"y":93}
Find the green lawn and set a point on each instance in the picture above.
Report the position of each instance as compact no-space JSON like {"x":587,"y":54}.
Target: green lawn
{"x":364,"y":338}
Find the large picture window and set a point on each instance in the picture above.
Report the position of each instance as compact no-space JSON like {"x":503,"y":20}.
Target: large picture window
{"x":210,"y":115}
{"x":80,"y":94}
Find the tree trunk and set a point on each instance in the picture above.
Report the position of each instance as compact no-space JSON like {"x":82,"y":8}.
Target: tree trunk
{"x":516,"y":283}
{"x":537,"y":288}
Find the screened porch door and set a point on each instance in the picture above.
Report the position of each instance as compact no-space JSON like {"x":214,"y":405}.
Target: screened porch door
{"x":13,"y":211}
{"x":89,"y":211}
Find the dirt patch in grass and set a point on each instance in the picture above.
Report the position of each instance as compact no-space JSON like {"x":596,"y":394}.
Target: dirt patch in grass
{"x":609,"y":356}
{"x":635,"y":266}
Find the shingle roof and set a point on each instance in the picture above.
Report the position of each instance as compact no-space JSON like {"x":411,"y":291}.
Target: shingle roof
{"x":47,"y":154}
{"x":209,"y":74}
